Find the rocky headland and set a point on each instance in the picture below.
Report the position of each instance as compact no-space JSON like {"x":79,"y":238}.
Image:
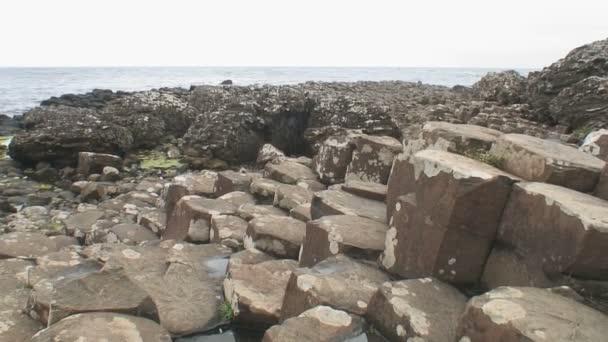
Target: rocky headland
{"x":367,"y":211}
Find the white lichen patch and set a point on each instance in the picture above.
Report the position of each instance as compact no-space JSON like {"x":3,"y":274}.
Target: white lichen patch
{"x":390,"y":243}
{"x":416,"y":317}
{"x":329,"y":316}
{"x":502,"y":311}
{"x":125,"y":330}
{"x":505,"y":292}
{"x":131,"y":254}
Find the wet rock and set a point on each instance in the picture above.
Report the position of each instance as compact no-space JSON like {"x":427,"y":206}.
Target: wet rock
{"x":596,"y":144}
{"x":563,"y":230}
{"x":103,"y":325}
{"x":539,"y":160}
{"x":90,"y":163}
{"x":354,"y":236}
{"x":192,"y":216}
{"x":301,"y":212}
{"x":268,"y":153}
{"x":25,"y":245}
{"x":330,"y":283}
{"x":373,"y":158}
{"x":416,"y":309}
{"x":290,"y":196}
{"x":228,"y":230}
{"x":525,"y":313}
{"x":238,"y":198}
{"x":288,"y":172}
{"x":432,"y":231}
{"x":505,"y":87}
{"x":369,"y":190}
{"x":333,"y":157}
{"x":229,"y":181}
{"x":250,"y":211}
{"x":336,"y":202}
{"x":321,"y":323}
{"x":276,"y":235}
{"x":256,"y":291}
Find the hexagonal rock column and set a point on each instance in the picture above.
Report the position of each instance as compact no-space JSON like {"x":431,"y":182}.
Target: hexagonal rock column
{"x":457,"y":138}
{"x":99,"y":326}
{"x":433,"y":229}
{"x":513,"y":314}
{"x":563,"y":230}
{"x":228,"y":230}
{"x":256,"y":291}
{"x":596,"y":144}
{"x":288,"y":172}
{"x":337,"y":202}
{"x":354,"y":236}
{"x":264,"y":188}
{"x":333,"y":158}
{"x":369,"y":190}
{"x":250,"y":211}
{"x":192,"y":216}
{"x":291,"y":196}
{"x":539,"y":160}
{"x":330,"y":282}
{"x":416,"y":310}
{"x":281,"y":236}
{"x":188,"y":184}
{"x":373,"y":158}
{"x":238,"y":198}
{"x":89,"y":162}
{"x":321,"y":323}
{"x":229,"y":181}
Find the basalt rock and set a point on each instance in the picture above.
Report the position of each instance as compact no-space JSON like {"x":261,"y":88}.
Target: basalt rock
{"x":505,"y":87}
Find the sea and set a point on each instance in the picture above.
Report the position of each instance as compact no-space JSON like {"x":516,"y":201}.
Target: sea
{"x":24,"y":88}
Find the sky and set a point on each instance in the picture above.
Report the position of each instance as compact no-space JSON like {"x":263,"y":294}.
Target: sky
{"x":410,"y":33}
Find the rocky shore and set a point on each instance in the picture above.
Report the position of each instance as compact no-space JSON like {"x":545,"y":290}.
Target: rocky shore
{"x":368,"y":211}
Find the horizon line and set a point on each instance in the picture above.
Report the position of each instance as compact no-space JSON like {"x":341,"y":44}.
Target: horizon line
{"x":264,"y":66}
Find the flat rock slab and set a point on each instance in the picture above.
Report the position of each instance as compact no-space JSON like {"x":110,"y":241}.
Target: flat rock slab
{"x":229,"y":181}
{"x":334,"y":155}
{"x":153,"y":219}
{"x":330,"y":283}
{"x":54,"y":264}
{"x":596,"y":144}
{"x":373,"y":158}
{"x":321,"y":323}
{"x":288,"y":172}
{"x":539,"y":160}
{"x":290,"y":196}
{"x":264,"y":187}
{"x":17,"y":326}
{"x":81,"y":223}
{"x":256,"y":291}
{"x":336,"y":202}
{"x":127,"y":233}
{"x":192,"y":216}
{"x":248,"y":257}
{"x":457,"y":138}
{"x":369,"y":190}
{"x":228,"y":230}
{"x":354,"y":236}
{"x":238,"y":198}
{"x":250,"y":211}
{"x":301,"y":212}
{"x":26,"y":245}
{"x":89,"y":162}
{"x":101,"y":326}
{"x":281,"y":236}
{"x":200,"y":184}
{"x":562,"y":229}
{"x":513,"y":314}
{"x":433,"y":232}
{"x":422,"y":309}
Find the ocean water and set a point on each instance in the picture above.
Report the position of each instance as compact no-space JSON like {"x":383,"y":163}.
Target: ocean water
{"x":24,"y":88}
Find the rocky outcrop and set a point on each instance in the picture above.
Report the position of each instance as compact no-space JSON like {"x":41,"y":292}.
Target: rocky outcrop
{"x":507,"y":87}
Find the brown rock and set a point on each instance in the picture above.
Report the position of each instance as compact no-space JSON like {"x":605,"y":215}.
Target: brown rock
{"x":354,"y":236}
{"x":539,"y":160}
{"x":417,"y":309}
{"x":264,"y":187}
{"x":336,"y":202}
{"x":276,"y":235}
{"x":369,"y":190}
{"x":267,"y":153}
{"x":288,"y":172}
{"x":256,"y":291}
{"x":17,"y":326}
{"x":321,"y":323}
{"x":238,"y":198}
{"x":90,"y":163}
{"x":457,"y":138}
{"x":330,"y":282}
{"x":25,"y":245}
{"x":290,"y":196}
{"x":153,"y":219}
{"x":228,"y":230}
{"x":529,"y":314}
{"x":203,"y":184}
{"x":248,"y":257}
{"x":229,"y":181}
{"x":373,"y":158}
{"x":250,"y":211}
{"x":596,"y":144}
{"x":433,"y":232}
{"x":334,"y":155}
{"x":192,"y":216}
{"x":301,"y":212}
{"x":601,"y":190}
{"x":98,"y":326}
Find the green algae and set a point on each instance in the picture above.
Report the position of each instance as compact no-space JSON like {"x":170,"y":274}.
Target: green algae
{"x":157,"y":160}
{"x":4,"y":141}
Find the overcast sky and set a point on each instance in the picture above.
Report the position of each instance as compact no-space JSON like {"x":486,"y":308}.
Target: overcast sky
{"x":447,"y":33}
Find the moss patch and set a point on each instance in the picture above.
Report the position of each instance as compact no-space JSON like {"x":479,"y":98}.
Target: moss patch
{"x":4,"y":141}
{"x":486,"y":157}
{"x":156,"y":160}
{"x":582,"y":132}
{"x":225,"y":311}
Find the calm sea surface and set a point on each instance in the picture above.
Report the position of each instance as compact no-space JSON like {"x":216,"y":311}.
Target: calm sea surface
{"x":24,"y":88}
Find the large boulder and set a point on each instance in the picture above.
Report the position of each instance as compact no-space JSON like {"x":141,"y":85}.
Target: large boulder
{"x":373,"y":158}
{"x":512,"y":314}
{"x":58,"y":134}
{"x":596,"y":144}
{"x":577,"y":71}
{"x":506,"y":87}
